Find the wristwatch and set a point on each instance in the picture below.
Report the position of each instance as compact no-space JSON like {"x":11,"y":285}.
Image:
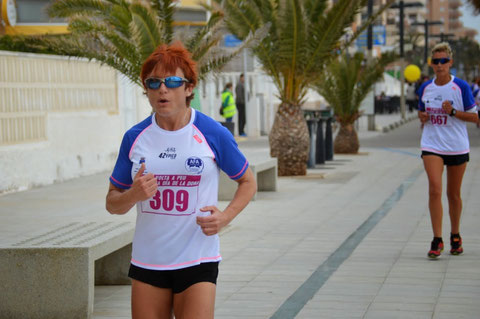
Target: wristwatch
{"x":453,"y":112}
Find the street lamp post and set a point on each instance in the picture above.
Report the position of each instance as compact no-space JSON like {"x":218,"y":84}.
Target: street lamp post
{"x":401,"y":5}
{"x":370,"y":117}
{"x":426,"y":24}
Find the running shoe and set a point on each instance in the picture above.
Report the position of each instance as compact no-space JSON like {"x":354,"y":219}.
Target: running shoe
{"x":436,"y":249}
{"x":456,"y":243}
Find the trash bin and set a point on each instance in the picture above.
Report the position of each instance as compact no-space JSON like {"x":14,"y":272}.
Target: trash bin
{"x":321,"y":137}
{"x":312,"y":124}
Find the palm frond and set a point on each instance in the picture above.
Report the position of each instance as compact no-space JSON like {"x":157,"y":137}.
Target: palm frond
{"x":67,"y":8}
{"x":165,"y":10}
{"x":348,"y":79}
{"x":145,"y":29}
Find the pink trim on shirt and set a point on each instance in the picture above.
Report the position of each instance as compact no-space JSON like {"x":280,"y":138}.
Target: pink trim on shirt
{"x":445,"y":153}
{"x":203,"y":137}
{"x":128,"y":185}
{"x":200,"y":260}
{"x":241,"y":171}
{"x":131,"y":148}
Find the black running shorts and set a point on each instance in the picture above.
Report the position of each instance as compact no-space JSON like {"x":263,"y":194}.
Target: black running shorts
{"x":179,"y":279}
{"x":450,"y":160}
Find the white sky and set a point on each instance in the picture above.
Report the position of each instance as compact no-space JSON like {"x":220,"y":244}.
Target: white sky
{"x":469,"y":20}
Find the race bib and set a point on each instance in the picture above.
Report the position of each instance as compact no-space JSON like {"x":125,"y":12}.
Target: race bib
{"x":176,"y":196}
{"x":438,"y":116}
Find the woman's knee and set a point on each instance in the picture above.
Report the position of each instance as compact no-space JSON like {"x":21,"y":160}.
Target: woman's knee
{"x":435,"y":192}
{"x":454,"y":196}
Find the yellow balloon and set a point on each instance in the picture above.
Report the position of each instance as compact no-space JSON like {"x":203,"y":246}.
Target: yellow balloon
{"x":412,"y":73}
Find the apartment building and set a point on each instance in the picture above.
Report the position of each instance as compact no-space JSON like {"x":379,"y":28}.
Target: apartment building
{"x":442,"y":16}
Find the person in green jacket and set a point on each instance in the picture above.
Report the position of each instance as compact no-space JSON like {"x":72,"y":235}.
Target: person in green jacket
{"x":228,"y":103}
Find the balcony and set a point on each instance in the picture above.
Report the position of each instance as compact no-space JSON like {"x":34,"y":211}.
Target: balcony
{"x":454,"y":4}
{"x":454,"y":14}
{"x":455,"y":24}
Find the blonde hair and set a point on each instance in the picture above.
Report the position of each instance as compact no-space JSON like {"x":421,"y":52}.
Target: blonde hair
{"x":442,"y":47}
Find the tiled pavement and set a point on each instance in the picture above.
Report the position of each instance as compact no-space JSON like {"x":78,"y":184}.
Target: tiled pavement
{"x":349,"y":240}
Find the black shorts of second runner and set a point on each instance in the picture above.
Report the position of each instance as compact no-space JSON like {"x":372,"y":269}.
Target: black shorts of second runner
{"x":450,"y":160}
{"x":179,"y":279}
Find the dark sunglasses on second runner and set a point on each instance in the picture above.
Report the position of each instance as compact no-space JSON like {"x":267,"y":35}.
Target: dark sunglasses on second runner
{"x":171,"y":82}
{"x":440,"y":61}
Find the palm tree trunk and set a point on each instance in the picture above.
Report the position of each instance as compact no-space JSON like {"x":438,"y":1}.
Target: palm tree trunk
{"x":289,"y":140}
{"x":346,"y":141}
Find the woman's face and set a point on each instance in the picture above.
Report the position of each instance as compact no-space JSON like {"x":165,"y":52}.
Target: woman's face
{"x":167,"y":102}
{"x":439,"y":68}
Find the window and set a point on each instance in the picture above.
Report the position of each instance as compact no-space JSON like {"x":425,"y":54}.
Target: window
{"x":34,"y":11}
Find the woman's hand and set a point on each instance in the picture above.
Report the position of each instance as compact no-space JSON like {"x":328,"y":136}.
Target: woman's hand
{"x":447,"y":107}
{"x":212,"y":224}
{"x":423,"y":116}
{"x":119,"y":201}
{"x":144,"y":186}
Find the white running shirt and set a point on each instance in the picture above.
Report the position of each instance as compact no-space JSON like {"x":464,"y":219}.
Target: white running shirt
{"x":442,"y":133}
{"x":186,"y":164}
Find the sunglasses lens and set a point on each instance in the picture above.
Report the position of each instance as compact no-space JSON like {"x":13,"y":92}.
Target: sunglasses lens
{"x":153,"y":84}
{"x":441,"y":61}
{"x":173,"y":82}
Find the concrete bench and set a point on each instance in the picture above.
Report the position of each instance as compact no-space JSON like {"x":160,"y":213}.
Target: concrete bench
{"x":265,"y":170}
{"x":52,"y":275}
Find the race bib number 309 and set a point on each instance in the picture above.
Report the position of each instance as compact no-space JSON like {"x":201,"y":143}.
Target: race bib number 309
{"x":176,"y":196}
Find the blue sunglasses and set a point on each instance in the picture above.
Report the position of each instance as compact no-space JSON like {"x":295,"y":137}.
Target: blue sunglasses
{"x":440,"y":61}
{"x":170,"y":82}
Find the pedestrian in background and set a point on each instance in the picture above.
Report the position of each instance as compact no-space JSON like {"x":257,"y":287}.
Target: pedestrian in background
{"x":411,"y":97}
{"x":240,"y":102}
{"x":168,"y":166}
{"x":229,"y":108}
{"x":446,"y":104}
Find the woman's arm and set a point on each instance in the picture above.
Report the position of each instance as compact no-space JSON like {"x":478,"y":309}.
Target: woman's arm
{"x":247,"y":187}
{"x":467,"y":116}
{"x":464,"y":116}
{"x":119,"y":201}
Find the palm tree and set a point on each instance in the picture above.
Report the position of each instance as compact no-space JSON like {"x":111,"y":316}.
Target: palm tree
{"x":123,"y":33}
{"x":345,"y":84}
{"x":303,"y":36}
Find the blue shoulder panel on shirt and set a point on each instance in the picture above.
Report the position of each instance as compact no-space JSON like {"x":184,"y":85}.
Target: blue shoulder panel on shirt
{"x":467,"y":96}
{"x":225,"y":148}
{"x":121,"y":176}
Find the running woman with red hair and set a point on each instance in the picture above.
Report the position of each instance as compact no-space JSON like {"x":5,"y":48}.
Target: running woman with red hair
{"x":168,"y":166}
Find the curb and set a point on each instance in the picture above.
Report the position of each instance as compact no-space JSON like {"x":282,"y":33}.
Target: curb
{"x":398,"y":123}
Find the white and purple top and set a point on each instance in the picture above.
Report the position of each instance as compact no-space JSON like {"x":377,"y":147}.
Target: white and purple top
{"x":444,"y":134}
{"x":186,"y":164}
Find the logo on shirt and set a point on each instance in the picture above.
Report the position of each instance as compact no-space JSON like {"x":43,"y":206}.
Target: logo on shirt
{"x":194,"y":165}
{"x":438,"y":98}
{"x":170,"y":153}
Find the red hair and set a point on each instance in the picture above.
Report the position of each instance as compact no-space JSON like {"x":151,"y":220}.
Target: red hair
{"x":169,"y":58}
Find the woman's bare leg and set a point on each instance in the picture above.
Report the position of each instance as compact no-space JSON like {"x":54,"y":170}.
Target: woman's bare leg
{"x":150,"y":302}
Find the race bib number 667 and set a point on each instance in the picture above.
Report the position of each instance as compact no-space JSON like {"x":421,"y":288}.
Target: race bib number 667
{"x":438,"y":116}
{"x":439,"y":119}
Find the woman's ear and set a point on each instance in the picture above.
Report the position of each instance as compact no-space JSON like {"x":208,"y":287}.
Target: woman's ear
{"x":189,"y":90}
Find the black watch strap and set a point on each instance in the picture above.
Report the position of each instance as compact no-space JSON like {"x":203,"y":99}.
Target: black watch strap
{"x":453,"y":112}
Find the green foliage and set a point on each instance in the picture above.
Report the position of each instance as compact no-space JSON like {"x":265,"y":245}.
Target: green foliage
{"x":465,"y":57}
{"x":303,"y":36}
{"x":347,"y":80}
{"x":122,"y":34}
